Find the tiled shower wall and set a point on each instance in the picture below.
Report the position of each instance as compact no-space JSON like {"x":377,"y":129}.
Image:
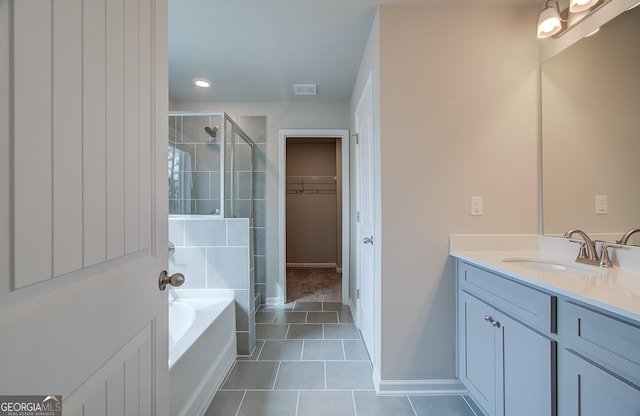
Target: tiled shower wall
{"x":202,"y":174}
{"x":214,"y":253}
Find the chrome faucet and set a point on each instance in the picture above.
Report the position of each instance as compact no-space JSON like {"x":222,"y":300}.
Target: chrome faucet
{"x":627,"y":235}
{"x":588,"y":253}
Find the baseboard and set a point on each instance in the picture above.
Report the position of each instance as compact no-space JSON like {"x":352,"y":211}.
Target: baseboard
{"x":434,"y":387}
{"x":273,"y":301}
{"x":314,"y":265}
{"x":354,"y":311}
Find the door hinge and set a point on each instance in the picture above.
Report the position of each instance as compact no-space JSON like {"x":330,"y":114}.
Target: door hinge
{"x":357,"y":216}
{"x":357,"y":293}
{"x":357,"y":138}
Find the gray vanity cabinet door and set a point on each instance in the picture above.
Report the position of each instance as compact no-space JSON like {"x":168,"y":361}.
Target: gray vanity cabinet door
{"x":508,"y":367}
{"x":527,"y":369}
{"x":478,"y":355}
{"x":587,"y":390}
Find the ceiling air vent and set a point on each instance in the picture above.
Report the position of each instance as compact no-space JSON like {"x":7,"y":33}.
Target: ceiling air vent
{"x":304,"y":89}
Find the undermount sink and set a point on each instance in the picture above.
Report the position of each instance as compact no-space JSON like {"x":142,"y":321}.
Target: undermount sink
{"x":547,"y":265}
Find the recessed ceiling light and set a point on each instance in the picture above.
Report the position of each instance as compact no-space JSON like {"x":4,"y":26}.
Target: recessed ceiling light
{"x":202,"y":82}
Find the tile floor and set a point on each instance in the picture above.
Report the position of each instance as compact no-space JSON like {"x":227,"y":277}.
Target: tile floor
{"x":311,"y":361}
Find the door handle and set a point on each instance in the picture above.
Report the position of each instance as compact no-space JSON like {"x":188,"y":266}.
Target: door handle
{"x":175,"y":280}
{"x":368,"y":240}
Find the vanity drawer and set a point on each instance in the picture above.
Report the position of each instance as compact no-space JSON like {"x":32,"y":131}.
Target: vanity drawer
{"x":603,"y":339}
{"x":529,"y":305}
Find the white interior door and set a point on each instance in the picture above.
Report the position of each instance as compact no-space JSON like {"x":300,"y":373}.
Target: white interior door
{"x":84,"y":217}
{"x":365,"y":207}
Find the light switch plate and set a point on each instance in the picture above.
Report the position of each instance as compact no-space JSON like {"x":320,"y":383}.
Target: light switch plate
{"x":476,"y":205}
{"x":602,"y":205}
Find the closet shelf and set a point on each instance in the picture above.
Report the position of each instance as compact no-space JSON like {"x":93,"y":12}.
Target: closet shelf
{"x":311,"y":184}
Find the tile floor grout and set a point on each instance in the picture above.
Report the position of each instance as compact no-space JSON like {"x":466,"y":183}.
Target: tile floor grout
{"x":328,"y":378}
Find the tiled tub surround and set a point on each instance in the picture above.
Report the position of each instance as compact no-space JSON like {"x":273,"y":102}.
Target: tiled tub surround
{"x":215,"y":253}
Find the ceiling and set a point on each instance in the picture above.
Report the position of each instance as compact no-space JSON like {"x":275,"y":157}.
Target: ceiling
{"x":255,"y":50}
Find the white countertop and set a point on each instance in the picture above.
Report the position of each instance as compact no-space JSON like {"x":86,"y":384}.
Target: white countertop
{"x":616,"y":290}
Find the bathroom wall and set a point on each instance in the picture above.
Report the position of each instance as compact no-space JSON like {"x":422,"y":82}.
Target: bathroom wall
{"x":214,"y":253}
{"x":461,"y":120}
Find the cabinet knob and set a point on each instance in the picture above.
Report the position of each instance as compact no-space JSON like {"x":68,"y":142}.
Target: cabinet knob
{"x":488,"y":318}
{"x":495,"y":323}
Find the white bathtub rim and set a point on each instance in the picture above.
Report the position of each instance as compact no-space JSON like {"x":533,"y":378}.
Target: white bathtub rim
{"x":201,"y":293}
{"x":207,"y":308}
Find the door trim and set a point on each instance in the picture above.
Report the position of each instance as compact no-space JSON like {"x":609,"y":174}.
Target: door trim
{"x":282,"y":229}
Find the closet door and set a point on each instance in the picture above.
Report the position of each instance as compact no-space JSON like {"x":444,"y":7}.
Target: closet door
{"x":83,"y":213}
{"x":368,"y":254}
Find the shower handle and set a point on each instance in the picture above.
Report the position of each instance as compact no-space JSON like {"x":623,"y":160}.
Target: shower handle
{"x":175,"y":280}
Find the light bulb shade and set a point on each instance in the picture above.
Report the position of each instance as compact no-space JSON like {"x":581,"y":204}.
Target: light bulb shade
{"x":577,"y":6}
{"x":549,"y":22}
{"x":202,"y":82}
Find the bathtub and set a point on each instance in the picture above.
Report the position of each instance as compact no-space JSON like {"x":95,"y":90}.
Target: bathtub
{"x":202,"y":347}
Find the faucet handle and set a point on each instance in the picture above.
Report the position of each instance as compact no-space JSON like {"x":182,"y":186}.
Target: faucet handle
{"x":582,"y":254}
{"x":605,"y":260}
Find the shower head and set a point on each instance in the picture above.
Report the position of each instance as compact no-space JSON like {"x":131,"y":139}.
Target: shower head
{"x":211,"y":131}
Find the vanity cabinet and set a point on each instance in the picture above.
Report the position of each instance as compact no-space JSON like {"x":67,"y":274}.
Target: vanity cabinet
{"x":506,"y":344}
{"x":599,"y":364}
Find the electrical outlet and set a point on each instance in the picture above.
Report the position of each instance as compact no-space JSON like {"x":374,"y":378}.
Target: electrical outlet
{"x":476,"y":205}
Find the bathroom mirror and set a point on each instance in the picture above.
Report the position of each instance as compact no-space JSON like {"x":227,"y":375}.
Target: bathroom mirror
{"x":591,"y":133}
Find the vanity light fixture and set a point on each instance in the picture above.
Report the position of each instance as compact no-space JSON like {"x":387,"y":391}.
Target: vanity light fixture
{"x":593,"y":32}
{"x":549,"y":22}
{"x":577,"y":6}
{"x":202,"y":82}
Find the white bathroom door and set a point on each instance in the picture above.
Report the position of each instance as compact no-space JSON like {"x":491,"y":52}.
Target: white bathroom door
{"x":366,"y":209}
{"x":83,"y":217}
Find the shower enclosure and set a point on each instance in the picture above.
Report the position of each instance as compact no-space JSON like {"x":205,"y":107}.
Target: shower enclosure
{"x":210,"y":166}
{"x":211,"y":209}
